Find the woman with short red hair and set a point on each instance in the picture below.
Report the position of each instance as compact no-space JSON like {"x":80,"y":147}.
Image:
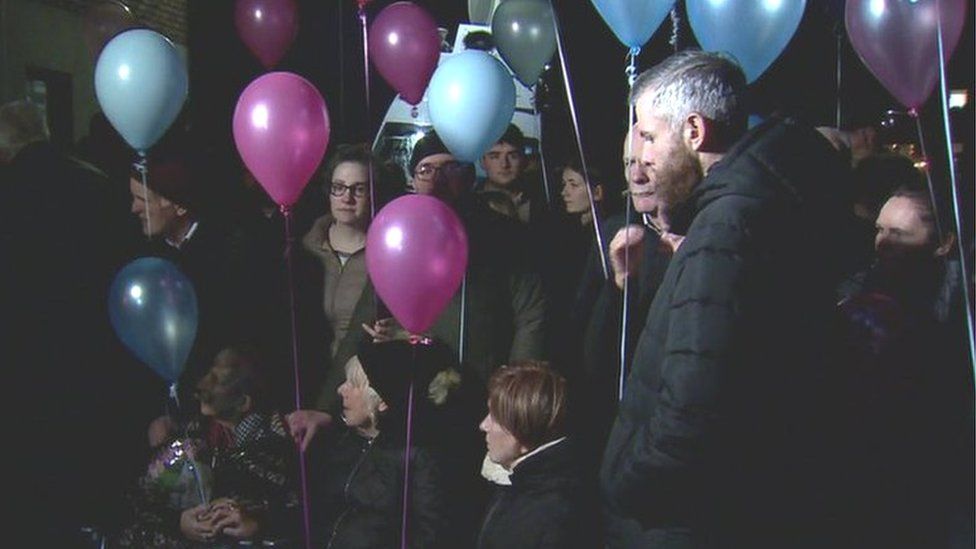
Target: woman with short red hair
{"x":546,"y":500}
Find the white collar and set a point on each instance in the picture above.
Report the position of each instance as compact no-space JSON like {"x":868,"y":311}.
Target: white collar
{"x":498,"y":474}
{"x":536,"y":451}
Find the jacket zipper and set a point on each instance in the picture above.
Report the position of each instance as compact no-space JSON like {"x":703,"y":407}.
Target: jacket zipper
{"x":345,"y":491}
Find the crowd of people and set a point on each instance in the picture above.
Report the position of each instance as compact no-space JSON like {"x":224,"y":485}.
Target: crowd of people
{"x":769,"y":349}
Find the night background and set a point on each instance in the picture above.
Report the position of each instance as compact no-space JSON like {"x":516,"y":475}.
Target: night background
{"x":42,"y":40}
{"x":328,"y":51}
{"x":44,"y":57}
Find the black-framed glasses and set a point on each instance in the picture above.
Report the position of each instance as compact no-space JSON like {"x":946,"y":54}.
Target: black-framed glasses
{"x":427,"y":172}
{"x":358,"y":190}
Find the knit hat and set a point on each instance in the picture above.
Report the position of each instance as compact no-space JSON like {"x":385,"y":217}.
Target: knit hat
{"x":389,"y":367}
{"x":428,"y":145}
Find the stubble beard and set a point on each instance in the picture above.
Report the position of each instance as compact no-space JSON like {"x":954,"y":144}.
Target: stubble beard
{"x":677,"y":179}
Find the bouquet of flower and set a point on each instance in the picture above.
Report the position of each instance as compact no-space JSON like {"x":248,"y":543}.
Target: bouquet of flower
{"x":179,"y":474}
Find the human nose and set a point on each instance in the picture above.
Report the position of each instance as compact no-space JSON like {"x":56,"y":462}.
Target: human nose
{"x":484,"y":424}
{"x":638,"y":175}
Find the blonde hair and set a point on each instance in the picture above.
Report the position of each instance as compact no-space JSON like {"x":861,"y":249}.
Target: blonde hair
{"x":356,"y":376}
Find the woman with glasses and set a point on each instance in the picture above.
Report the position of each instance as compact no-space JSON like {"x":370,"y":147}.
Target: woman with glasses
{"x":338,"y":241}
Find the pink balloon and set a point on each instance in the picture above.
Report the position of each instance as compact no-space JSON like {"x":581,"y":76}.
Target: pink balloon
{"x":281,"y":128}
{"x":416,"y":255}
{"x":267,"y":27}
{"x":897,"y":40}
{"x":404,"y":45}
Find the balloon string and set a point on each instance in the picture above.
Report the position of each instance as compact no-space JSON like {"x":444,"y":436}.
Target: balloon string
{"x":928,"y":173}
{"x":956,"y":204}
{"x":406,"y":450}
{"x":673,"y":40}
{"x":362,"y":21}
{"x":143,"y":170}
{"x":542,"y":155}
{"x":302,"y":469}
{"x":461,"y":317}
{"x":840,"y":61}
{"x":579,"y":145}
{"x":196,"y":475}
{"x":175,"y":395}
{"x":342,"y":67}
{"x":631,"y":69}
{"x":625,"y":309}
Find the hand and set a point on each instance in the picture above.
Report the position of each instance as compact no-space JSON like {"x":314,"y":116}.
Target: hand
{"x":160,"y":430}
{"x":626,"y":250}
{"x":386,"y":329}
{"x":670,"y":242}
{"x":230,"y":520}
{"x":195,"y":525}
{"x":304,"y":424}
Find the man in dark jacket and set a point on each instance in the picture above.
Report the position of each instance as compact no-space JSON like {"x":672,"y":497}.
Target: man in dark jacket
{"x":712,"y":443}
{"x":63,"y":235}
{"x":597,"y":314}
{"x":227,"y":268}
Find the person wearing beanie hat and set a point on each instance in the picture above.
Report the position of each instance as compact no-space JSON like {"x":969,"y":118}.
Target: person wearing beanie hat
{"x":391,"y":369}
{"x":504,"y":305}
{"x":505,"y":301}
{"x":437,"y":173}
{"x":363,"y":474}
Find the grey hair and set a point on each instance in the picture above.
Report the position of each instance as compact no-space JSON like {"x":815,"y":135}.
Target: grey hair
{"x":21,"y":123}
{"x":708,"y":83}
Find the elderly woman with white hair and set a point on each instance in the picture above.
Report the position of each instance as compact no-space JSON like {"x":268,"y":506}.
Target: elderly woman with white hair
{"x":364,"y":470}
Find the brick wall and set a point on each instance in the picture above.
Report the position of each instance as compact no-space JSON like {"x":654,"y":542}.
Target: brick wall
{"x":165,"y":16}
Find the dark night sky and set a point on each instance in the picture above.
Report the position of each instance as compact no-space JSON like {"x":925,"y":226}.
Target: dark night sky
{"x":328,"y":51}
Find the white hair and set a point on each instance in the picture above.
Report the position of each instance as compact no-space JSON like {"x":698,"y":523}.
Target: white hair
{"x":693,"y":81}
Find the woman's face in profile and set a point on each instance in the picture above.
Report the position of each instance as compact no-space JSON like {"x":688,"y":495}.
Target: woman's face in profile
{"x":503,"y":448}
{"x":358,"y":410}
{"x":574,"y":193}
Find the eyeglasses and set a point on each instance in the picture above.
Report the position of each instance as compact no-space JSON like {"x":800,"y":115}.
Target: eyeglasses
{"x":358,"y":190}
{"x":427,"y":172}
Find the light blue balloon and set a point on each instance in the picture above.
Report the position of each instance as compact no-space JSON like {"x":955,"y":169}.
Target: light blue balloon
{"x":754,"y":31}
{"x":633,"y":21}
{"x":141,"y":84}
{"x":153,"y":308}
{"x":471,"y":98}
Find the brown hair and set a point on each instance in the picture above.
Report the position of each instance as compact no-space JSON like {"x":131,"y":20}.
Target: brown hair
{"x":388,"y":181}
{"x":529,"y":400}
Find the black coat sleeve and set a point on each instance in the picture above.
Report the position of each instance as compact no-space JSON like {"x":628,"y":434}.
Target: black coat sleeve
{"x":660,"y":465}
